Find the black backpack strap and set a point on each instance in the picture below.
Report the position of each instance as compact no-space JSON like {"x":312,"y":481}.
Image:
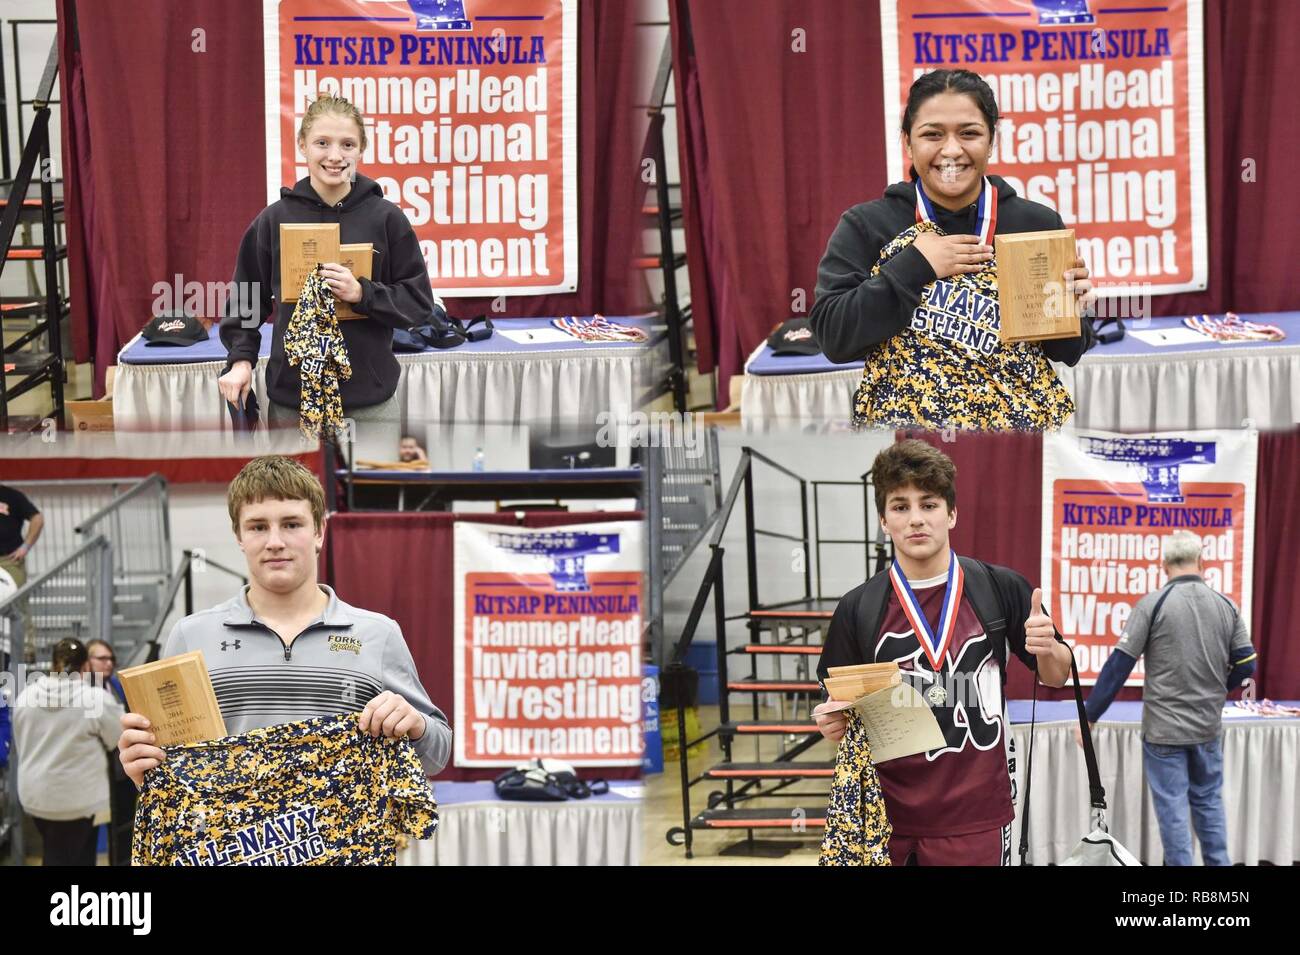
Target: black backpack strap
{"x":477,"y":329}
{"x":875,"y":600}
{"x":986,"y":598}
{"x":988,"y":607}
{"x":1096,"y":792}
{"x":979,"y":588}
{"x":1029,"y":775}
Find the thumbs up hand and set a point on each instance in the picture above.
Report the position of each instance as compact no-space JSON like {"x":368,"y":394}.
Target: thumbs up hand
{"x":1040,"y":635}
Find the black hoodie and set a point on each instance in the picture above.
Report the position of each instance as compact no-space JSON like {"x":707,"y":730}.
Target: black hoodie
{"x":854,"y":312}
{"x":398,"y":297}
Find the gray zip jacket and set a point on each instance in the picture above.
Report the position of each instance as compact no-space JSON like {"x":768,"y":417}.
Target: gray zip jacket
{"x":337,"y":664}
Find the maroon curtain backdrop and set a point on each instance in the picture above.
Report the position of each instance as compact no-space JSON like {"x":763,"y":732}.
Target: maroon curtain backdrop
{"x":401,"y":565}
{"x":776,"y":144}
{"x":164,"y":158}
{"x":78,"y":187}
{"x":999,"y":519}
{"x":1276,"y":598}
{"x":165,"y":168}
{"x":173,"y":470}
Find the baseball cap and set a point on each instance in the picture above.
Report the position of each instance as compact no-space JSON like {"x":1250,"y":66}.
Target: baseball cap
{"x":794,"y":337}
{"x":174,"y":328}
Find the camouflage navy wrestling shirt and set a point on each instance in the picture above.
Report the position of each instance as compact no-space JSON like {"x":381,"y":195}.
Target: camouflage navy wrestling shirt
{"x":857,"y":825}
{"x":315,"y":792}
{"x":950,"y":369}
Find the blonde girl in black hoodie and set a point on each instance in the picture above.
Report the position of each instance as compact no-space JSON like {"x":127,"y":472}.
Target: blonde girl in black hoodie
{"x":908,"y":281}
{"x":331,"y":139}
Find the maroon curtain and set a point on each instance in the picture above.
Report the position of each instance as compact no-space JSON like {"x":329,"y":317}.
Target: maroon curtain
{"x":1275,"y":599}
{"x":609,"y":187}
{"x":776,"y":144}
{"x":78,"y":187}
{"x":174,"y":470}
{"x":165,"y":168}
{"x":164,"y":158}
{"x":402,"y":565}
{"x":999,"y":519}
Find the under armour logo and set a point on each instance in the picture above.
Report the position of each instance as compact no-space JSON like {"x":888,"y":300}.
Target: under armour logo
{"x":226,"y":646}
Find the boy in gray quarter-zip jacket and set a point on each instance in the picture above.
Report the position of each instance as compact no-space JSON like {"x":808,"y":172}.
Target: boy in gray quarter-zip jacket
{"x":286,"y":648}
{"x":339,"y":663}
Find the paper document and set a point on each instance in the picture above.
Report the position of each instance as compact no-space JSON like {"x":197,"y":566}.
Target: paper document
{"x":536,"y":336}
{"x":899,"y":723}
{"x":1171,"y":336}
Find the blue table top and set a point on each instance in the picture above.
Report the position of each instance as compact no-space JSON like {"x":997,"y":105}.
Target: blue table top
{"x":1058,"y":711}
{"x":140,"y":352}
{"x":765,"y":363}
{"x":451,"y":794}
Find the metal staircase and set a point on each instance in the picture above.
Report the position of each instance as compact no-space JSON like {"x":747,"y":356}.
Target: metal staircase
{"x":773,"y":661}
{"x":32,"y":325}
{"x":131,"y":516}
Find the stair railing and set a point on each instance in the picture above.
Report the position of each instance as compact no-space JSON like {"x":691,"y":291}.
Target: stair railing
{"x":73,"y":599}
{"x":654,"y":150}
{"x":183,"y":575}
{"x":712,"y":586}
{"x":37,"y":147}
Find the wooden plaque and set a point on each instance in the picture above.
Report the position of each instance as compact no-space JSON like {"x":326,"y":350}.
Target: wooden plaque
{"x":357,"y":257}
{"x":177,"y":697}
{"x":1032,"y":298}
{"x":302,"y":245}
{"x":847,"y":684}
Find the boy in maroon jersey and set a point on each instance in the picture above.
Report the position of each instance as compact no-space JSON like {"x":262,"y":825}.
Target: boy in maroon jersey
{"x":949,"y":806}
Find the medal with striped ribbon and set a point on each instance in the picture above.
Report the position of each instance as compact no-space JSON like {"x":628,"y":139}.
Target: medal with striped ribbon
{"x":934,"y":644}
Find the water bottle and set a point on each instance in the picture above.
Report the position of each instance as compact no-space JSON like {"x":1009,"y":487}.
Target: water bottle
{"x":480,"y":461}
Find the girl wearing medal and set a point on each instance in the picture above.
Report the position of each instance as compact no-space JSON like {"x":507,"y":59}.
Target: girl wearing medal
{"x":331,"y":138}
{"x":909,"y":282}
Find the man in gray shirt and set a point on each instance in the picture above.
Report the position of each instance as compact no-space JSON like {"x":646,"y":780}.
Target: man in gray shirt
{"x":287,"y":648}
{"x":1197,"y":649}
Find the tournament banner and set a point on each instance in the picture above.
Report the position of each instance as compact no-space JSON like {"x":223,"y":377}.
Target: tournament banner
{"x":548,"y":644}
{"x":472,"y":128}
{"x":1108,"y":502}
{"x":1101,"y":116}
